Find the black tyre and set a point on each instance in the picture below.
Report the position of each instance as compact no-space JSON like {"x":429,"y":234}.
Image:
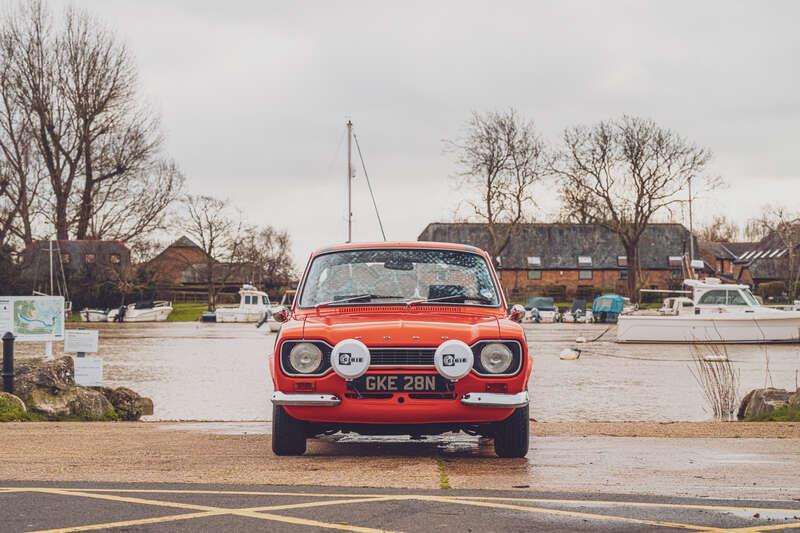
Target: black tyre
{"x":288,"y":434}
{"x":512,"y":436}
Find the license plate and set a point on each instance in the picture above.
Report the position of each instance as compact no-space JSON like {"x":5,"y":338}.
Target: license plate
{"x":401,"y":383}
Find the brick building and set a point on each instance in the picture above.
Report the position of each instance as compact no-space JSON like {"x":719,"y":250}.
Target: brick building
{"x":574,"y":260}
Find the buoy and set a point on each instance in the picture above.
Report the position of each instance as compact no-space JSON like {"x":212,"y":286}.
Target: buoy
{"x":580,"y":339}
{"x":569,"y":354}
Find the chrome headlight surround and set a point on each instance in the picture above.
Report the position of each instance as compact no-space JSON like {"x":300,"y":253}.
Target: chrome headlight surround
{"x":516,"y":358}
{"x":286,"y":360}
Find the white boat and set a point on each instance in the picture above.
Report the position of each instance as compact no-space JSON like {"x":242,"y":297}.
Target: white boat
{"x":717,"y":313}
{"x":146,"y":311}
{"x":94,"y":315}
{"x":252,"y":306}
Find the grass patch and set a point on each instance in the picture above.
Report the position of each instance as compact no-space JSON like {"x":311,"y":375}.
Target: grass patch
{"x":10,"y":412}
{"x":186,"y":312}
{"x":781,"y":414}
{"x":444,"y":481}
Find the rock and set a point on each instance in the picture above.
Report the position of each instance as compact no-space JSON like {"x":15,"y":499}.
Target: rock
{"x":762,"y":401}
{"x":128,"y":404}
{"x":54,"y":376}
{"x":794,"y":399}
{"x":12,"y":404}
{"x":569,"y":354}
{"x":74,"y":402}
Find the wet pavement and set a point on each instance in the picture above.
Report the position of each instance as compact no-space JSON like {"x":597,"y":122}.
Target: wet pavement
{"x":171,"y":507}
{"x":196,"y":371}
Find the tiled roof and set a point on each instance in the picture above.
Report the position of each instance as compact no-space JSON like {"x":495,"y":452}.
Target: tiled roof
{"x":559,"y":246}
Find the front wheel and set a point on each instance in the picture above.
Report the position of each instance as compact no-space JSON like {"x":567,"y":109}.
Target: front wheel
{"x":288,"y":433}
{"x":511,"y":437}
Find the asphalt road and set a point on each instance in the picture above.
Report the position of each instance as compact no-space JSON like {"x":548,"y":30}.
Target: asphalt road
{"x":170,"y":507}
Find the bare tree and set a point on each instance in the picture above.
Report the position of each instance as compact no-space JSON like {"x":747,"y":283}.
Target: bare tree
{"x":139,"y":207}
{"x":621,"y":173}
{"x":782,"y":228}
{"x":721,"y":229}
{"x":500,"y":159}
{"x":73,"y":88}
{"x":217,"y":229}
{"x":268,"y":252}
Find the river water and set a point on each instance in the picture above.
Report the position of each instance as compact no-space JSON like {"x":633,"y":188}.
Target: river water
{"x":197,"y":371}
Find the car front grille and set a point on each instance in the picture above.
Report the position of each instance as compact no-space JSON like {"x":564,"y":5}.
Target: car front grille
{"x":401,"y":356}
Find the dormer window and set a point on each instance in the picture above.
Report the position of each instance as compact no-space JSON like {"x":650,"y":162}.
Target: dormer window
{"x":675,"y":261}
{"x":622,"y":260}
{"x":584,"y":261}
{"x":534,"y":260}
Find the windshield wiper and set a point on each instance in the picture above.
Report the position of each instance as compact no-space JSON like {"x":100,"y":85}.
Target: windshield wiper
{"x":357,"y":297}
{"x":476,"y":298}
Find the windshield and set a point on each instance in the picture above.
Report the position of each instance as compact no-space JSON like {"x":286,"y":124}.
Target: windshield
{"x":391,"y":276}
{"x":751,"y":300}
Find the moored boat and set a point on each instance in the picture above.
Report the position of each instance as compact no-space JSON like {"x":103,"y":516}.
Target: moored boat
{"x":94,"y":315}
{"x":719,"y":313}
{"x":252,"y":306}
{"x":144,"y":311}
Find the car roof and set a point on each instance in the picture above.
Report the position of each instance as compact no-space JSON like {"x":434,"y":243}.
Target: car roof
{"x":399,"y":244}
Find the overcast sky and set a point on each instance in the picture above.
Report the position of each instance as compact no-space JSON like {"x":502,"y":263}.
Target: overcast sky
{"x":254,"y":95}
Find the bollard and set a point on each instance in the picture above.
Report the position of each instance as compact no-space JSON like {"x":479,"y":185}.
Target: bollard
{"x":8,"y":362}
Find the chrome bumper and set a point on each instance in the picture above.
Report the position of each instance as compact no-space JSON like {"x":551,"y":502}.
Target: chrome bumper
{"x":281,"y":398}
{"x":494,"y":399}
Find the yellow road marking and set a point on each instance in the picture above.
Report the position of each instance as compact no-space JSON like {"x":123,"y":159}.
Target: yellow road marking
{"x":772,"y":527}
{"x":214,"y":511}
{"x":611,"y":503}
{"x":136,"y":522}
{"x":321,"y":504}
{"x":573,"y":514}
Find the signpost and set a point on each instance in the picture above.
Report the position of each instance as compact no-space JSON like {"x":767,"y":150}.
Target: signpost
{"x":88,"y":370}
{"x":33,"y":319}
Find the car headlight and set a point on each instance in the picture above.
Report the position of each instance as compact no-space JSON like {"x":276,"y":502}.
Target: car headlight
{"x":496,"y":358}
{"x":305,"y":357}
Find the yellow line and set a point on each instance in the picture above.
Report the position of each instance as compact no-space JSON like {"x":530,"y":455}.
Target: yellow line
{"x":573,"y":514}
{"x":209,"y":511}
{"x":137,"y":522}
{"x":321,"y":504}
{"x":631,"y":504}
{"x":773,"y":527}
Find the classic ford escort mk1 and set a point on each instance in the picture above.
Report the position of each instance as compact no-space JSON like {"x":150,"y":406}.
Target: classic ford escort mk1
{"x":400,"y":339}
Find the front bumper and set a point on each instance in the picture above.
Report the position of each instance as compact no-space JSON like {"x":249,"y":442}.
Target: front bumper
{"x":472,"y":399}
{"x":324,"y":400}
{"x":493,"y":399}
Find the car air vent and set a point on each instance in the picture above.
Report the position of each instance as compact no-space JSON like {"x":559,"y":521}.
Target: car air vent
{"x":401,"y":356}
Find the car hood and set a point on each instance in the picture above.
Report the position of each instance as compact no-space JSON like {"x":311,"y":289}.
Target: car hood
{"x":401,"y":329}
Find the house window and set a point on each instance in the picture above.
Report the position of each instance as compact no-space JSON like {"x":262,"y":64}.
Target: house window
{"x":89,"y":258}
{"x":584,"y":261}
{"x":675,"y":260}
{"x":622,"y":260}
{"x":534,"y":260}
{"x":623,"y":274}
{"x":66,"y":259}
{"x":584,"y":274}
{"x":114,"y":259}
{"x":534,"y":274}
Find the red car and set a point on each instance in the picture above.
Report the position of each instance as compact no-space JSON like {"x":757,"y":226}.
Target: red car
{"x":400,"y":339}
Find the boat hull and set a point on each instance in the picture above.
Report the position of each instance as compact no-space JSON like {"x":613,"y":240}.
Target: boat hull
{"x":94,"y":315}
{"x":156,"y":314}
{"x":710,"y":329}
{"x":236,"y":315}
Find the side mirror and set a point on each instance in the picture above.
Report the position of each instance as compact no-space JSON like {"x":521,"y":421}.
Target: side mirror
{"x":517,"y":313}
{"x":281,"y":314}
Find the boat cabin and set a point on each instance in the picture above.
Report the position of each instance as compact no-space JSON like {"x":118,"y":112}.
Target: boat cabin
{"x":710,"y":295}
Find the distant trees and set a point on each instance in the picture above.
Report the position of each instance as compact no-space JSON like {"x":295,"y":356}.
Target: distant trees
{"x":80,"y":154}
{"x":720,"y":229}
{"x":268,"y":253}
{"x":782,"y":226}
{"x":217,"y":228}
{"x":621,"y":174}
{"x":500,"y":159}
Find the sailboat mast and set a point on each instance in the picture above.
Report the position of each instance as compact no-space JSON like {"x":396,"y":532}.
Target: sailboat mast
{"x":349,"y":181}
{"x":691,"y":225}
{"x":50,"y":242}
